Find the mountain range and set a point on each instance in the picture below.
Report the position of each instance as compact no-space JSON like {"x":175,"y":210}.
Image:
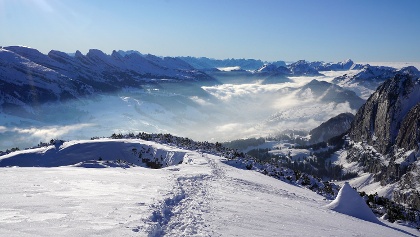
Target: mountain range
{"x":378,"y":145}
{"x":29,"y":78}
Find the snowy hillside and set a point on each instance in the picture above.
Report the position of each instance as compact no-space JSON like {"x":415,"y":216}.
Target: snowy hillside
{"x":203,"y":196}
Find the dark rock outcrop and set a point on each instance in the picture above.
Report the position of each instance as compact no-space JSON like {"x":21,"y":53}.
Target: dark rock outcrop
{"x":409,"y":132}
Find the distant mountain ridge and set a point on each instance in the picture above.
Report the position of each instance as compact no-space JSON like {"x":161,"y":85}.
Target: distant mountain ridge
{"x":29,"y":77}
{"x":244,"y":64}
{"x":339,"y":66}
{"x":369,"y":77}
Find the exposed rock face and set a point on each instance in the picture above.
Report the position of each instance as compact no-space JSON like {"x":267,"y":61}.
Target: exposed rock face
{"x":331,"y":128}
{"x":407,"y":190}
{"x":409,"y":133}
{"x":379,"y":120}
{"x":386,"y":131}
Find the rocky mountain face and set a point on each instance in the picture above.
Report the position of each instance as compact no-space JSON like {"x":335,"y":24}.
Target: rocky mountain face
{"x":333,"y":127}
{"x":385,"y":135}
{"x":379,"y":120}
{"x":29,"y":78}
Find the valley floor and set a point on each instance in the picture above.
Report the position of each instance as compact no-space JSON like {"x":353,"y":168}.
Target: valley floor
{"x":201,"y":197}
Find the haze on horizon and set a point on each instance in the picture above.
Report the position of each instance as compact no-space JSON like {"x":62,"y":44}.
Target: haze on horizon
{"x":269,"y":30}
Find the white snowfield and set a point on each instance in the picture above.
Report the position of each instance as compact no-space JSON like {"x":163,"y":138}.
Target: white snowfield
{"x":203,"y":196}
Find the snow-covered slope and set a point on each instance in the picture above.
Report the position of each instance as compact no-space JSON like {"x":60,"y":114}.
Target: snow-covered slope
{"x":200,"y":197}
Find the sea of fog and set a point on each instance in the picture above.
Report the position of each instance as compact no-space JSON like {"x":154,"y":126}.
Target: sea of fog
{"x":212,"y":113}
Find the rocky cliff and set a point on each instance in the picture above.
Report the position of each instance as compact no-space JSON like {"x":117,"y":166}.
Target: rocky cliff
{"x":379,"y":120}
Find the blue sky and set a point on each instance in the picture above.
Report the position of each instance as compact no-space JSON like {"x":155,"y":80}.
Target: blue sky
{"x":327,"y":30}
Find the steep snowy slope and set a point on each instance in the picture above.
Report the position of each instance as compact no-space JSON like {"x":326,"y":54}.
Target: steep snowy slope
{"x":200,"y":197}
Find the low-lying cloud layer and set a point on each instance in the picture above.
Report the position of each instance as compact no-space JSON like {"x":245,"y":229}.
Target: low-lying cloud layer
{"x":226,"y":112}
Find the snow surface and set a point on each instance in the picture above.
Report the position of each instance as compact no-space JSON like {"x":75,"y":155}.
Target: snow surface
{"x":203,"y":196}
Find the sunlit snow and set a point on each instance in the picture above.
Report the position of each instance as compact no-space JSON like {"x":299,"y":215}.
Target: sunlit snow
{"x":200,"y":197}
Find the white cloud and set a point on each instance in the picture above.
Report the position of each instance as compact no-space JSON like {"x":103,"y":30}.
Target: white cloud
{"x":200,"y":101}
{"x":228,"y":69}
{"x":50,"y":132}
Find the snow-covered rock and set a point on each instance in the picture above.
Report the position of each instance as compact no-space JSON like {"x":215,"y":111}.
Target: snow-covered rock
{"x":349,"y":202}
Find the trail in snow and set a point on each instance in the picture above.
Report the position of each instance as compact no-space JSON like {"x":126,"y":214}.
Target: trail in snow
{"x":186,"y":212}
{"x":211,"y":198}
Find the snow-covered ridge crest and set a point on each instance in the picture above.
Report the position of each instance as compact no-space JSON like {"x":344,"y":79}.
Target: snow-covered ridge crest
{"x":97,"y":153}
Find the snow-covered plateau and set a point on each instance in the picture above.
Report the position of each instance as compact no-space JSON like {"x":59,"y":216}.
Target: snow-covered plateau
{"x":100,"y":188}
